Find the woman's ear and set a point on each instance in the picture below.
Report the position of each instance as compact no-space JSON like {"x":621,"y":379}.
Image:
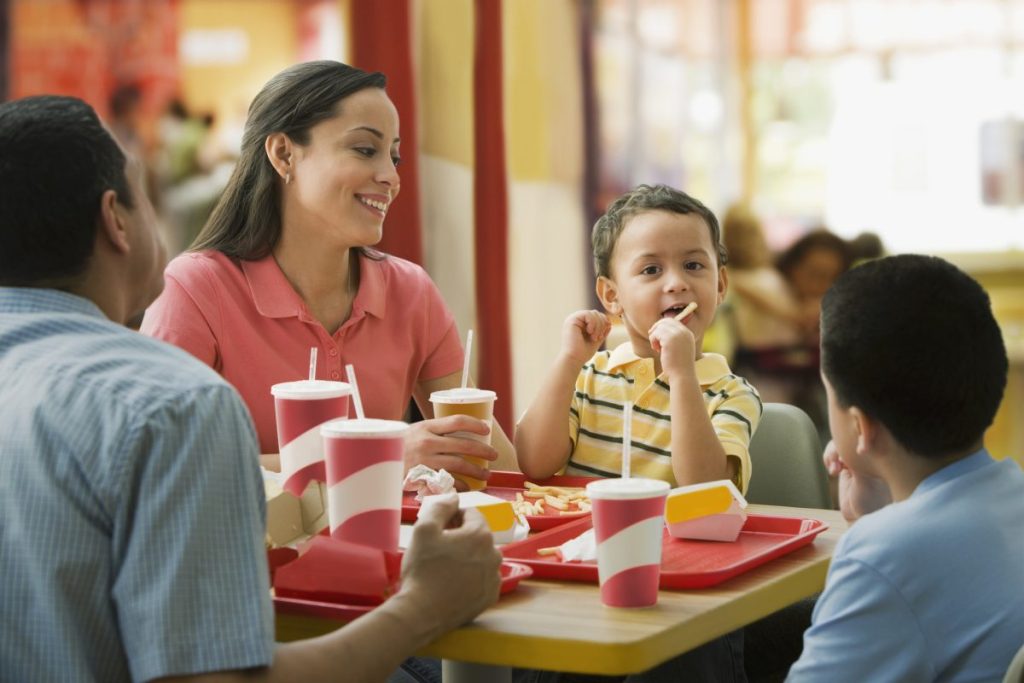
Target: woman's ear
{"x":723,"y":283}
{"x":608,"y":293}
{"x":279,"y":151}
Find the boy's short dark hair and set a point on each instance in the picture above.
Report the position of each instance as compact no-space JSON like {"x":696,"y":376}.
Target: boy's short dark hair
{"x":647,"y":198}
{"x":912,"y":342}
{"x":57,"y":162}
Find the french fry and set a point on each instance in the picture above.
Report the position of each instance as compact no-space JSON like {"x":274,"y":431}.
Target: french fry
{"x":556,"y":503}
{"x":548,"y":551}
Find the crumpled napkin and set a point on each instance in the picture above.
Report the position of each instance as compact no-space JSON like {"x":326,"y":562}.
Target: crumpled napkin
{"x":583,"y":548}
{"x":427,"y":482}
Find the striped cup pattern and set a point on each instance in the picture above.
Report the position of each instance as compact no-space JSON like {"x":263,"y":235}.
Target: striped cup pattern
{"x":298,"y":436}
{"x":629,"y":536}
{"x":364,"y":494}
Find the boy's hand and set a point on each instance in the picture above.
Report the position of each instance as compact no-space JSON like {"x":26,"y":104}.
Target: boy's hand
{"x":674,"y":341}
{"x":451,"y":574}
{"x":583,"y":333}
{"x":859,"y":494}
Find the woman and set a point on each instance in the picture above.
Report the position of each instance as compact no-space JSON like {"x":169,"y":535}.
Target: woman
{"x":285,"y":264}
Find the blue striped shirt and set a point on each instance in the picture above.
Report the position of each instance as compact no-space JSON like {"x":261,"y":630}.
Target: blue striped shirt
{"x":131,"y":504}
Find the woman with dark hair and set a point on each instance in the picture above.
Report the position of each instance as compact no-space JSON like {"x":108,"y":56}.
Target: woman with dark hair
{"x":285,"y":263}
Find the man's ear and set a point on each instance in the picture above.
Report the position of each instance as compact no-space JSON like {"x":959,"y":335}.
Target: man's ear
{"x":608,"y":293}
{"x":113,"y":226}
{"x":723,"y":283}
{"x":279,"y":151}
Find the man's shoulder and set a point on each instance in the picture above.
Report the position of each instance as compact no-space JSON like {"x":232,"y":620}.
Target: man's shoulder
{"x":99,"y":354}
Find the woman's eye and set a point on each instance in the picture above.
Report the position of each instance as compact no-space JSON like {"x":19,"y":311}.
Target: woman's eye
{"x":694,"y":265}
{"x":367,"y":152}
{"x":396,"y":160}
{"x":650,"y":270}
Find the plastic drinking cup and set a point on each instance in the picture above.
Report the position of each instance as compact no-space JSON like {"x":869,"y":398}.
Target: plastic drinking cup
{"x":478,"y":403}
{"x":364,"y":480}
{"x":628,"y":522}
{"x":300,"y":408}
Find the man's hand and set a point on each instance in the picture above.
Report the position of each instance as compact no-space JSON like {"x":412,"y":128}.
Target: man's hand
{"x":451,"y":574}
{"x":859,"y":494}
{"x":430,"y":443}
{"x":583,"y":332}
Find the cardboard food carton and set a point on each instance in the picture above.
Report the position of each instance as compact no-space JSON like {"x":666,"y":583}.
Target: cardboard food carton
{"x":712,"y":511}
{"x":498,"y":513}
{"x":290,"y":519}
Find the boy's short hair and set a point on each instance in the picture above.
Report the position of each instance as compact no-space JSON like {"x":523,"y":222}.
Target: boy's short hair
{"x":912,"y":342}
{"x":647,"y":198}
{"x":57,"y":162}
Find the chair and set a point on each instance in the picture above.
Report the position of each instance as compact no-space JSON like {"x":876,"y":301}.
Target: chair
{"x":1015,"y":674}
{"x":786,"y":465}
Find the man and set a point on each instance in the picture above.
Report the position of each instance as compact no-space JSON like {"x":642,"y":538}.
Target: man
{"x":131,"y":503}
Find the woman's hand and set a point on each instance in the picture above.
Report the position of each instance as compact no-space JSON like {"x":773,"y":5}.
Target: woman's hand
{"x":434,"y":443}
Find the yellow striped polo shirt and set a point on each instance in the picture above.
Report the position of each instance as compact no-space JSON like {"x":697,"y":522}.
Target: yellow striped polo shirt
{"x":611,"y":378}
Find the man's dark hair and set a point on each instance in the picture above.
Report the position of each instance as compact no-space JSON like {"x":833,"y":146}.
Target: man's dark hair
{"x":912,"y":342}
{"x":647,"y":198}
{"x":56,"y":163}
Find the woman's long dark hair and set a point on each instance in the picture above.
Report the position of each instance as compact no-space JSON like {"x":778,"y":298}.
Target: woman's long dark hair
{"x":246,"y":222}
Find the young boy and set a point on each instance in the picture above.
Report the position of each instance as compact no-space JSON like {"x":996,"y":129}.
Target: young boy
{"x":929,"y":587}
{"x":656,"y":250}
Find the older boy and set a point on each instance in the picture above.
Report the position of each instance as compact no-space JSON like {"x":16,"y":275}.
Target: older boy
{"x":929,"y":587}
{"x":656,"y":250}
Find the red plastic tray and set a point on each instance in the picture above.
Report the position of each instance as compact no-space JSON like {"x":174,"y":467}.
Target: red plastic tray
{"x":511,"y":574}
{"x":506,"y":485}
{"x":684,"y":564}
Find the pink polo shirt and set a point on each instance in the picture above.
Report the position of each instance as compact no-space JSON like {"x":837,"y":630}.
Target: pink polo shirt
{"x":247,"y":322}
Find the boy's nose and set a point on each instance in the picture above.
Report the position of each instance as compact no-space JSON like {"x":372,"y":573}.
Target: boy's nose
{"x":675,"y":281}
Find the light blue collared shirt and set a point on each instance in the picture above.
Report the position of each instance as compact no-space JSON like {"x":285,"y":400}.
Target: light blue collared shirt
{"x":131,"y":504}
{"x":927,"y":589}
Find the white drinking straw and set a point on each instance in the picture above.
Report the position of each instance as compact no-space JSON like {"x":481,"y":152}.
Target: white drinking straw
{"x":351,"y":372}
{"x":312,"y":364}
{"x":465,"y":362}
{"x":627,"y":437}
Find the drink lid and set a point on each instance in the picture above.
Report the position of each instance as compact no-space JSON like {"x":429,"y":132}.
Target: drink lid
{"x":627,"y":489}
{"x":463,"y":395}
{"x":309,"y":390}
{"x":366,"y":428}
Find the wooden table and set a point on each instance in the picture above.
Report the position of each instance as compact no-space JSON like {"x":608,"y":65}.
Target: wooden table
{"x":563,"y":626}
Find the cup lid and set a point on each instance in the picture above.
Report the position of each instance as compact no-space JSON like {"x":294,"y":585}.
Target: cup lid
{"x":311,"y":389}
{"x":367,"y":428}
{"x":627,"y":489}
{"x":463,"y":395}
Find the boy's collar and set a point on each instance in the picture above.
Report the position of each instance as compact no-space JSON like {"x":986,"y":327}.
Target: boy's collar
{"x":711,"y":367}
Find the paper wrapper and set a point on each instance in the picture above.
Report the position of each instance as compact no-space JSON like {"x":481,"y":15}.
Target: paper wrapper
{"x":427,"y":482}
{"x":330,"y":570}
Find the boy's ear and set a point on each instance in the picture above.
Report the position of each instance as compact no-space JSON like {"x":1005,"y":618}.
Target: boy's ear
{"x":113,"y":227}
{"x":867,"y":431}
{"x":723,"y":283}
{"x":608,"y":293}
{"x":279,"y":151}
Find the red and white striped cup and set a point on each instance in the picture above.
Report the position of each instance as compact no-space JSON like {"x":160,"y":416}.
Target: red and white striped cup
{"x":364,"y":480}
{"x":628,"y":522}
{"x":300,"y":408}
